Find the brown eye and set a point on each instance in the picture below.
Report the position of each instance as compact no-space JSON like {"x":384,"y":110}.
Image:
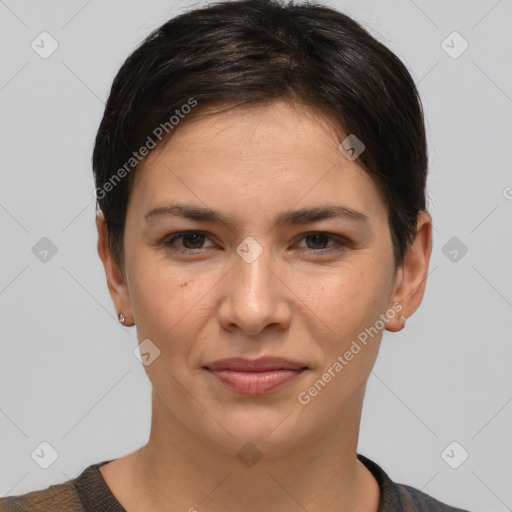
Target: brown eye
{"x":317,"y":240}
{"x":190,"y":241}
{"x":318,"y":243}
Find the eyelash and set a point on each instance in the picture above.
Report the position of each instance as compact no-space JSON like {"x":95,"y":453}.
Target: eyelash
{"x":339,"y":241}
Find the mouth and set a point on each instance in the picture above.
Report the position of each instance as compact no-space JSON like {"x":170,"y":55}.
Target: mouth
{"x":256,"y":376}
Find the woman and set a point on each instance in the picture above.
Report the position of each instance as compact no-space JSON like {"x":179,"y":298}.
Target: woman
{"x":260,"y":172}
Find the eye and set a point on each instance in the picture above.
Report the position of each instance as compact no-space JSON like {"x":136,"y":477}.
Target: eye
{"x":190,"y":241}
{"x":319,"y":241}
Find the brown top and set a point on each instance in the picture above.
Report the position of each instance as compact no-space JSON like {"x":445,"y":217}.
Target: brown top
{"x":90,"y":493}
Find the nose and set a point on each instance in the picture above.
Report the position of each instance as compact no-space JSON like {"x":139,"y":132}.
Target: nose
{"x":254,"y":295}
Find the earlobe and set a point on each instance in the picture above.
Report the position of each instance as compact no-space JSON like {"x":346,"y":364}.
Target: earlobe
{"x":412,"y":275}
{"x":397,"y":323}
{"x":115,"y":279}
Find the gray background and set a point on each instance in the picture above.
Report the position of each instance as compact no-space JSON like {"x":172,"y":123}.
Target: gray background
{"x":68,"y":374}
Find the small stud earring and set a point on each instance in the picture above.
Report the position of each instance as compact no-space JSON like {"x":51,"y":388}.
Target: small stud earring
{"x":403,"y":318}
{"x":121,"y":317}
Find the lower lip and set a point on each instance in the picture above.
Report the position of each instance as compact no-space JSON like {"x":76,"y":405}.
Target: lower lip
{"x":255,"y":383}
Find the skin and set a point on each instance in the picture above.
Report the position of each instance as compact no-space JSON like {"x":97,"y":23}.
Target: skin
{"x":251,"y":164}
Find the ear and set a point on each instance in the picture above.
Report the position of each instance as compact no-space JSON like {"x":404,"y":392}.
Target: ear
{"x":411,"y":277}
{"x":115,"y":277}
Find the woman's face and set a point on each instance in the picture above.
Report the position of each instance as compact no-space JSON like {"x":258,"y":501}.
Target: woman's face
{"x":260,"y":283}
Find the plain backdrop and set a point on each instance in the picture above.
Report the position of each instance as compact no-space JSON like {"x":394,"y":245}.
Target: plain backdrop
{"x":69,"y":376}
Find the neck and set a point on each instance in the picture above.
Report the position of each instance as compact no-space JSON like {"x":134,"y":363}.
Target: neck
{"x":177,"y":470}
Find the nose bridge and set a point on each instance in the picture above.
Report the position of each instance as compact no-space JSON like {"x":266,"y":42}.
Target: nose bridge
{"x":252,"y":272}
{"x":251,"y":298}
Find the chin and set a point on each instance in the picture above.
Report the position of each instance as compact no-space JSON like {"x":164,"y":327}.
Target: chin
{"x":272,"y":430}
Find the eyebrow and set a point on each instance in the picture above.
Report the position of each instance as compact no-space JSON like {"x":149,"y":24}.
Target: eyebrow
{"x":302,"y":216}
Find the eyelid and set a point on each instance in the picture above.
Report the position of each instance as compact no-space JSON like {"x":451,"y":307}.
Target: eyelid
{"x":340,"y":242}
{"x":170,"y":239}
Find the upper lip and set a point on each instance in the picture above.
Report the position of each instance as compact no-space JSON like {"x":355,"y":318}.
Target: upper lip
{"x":255,"y":365}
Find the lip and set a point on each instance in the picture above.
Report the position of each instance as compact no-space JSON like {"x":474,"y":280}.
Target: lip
{"x":261,"y":364}
{"x":255,"y":376}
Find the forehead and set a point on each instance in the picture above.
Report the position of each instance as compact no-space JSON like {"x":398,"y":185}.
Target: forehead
{"x":269,"y":126}
{"x":271,"y":151}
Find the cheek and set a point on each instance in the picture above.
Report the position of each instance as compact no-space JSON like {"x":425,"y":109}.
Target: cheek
{"x":346,"y":302}
{"x":172,"y":311}
{"x":348,"y":305}
{"x":167,"y":301}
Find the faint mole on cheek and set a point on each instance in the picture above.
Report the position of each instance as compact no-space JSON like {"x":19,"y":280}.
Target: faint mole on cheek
{"x":183,"y":284}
